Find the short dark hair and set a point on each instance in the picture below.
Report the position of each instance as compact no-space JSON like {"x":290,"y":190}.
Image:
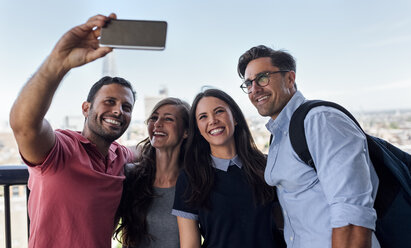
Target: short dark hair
{"x":106,"y":81}
{"x":279,"y":58}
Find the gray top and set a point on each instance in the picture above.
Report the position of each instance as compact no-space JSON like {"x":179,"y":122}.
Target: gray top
{"x":161,"y":224}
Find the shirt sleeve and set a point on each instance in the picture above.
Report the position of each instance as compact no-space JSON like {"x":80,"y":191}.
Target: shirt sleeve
{"x":340,"y":153}
{"x":180,"y":207}
{"x":62,"y":151}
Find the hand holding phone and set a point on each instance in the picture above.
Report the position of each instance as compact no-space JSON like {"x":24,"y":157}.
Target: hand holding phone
{"x":134,"y":34}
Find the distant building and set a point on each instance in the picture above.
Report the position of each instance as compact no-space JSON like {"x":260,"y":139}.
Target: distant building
{"x":75,"y":122}
{"x":151,"y":101}
{"x":109,"y":65}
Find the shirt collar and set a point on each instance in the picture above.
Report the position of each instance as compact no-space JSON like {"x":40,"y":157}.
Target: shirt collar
{"x":223,"y":164}
{"x":112,"y":149}
{"x":282,"y":121}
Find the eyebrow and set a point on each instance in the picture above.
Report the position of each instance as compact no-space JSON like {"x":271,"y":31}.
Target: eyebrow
{"x":213,"y":110}
{"x":155,"y":112}
{"x":256,"y":76}
{"x":115,"y":98}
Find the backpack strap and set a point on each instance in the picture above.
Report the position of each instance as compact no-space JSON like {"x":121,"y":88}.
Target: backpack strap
{"x":297,"y":131}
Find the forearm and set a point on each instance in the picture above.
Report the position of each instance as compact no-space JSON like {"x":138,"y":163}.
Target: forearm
{"x":189,"y":233}
{"x":351,"y":237}
{"x":35,"y":98}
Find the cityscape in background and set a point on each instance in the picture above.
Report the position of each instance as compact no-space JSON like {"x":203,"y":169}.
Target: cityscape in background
{"x":393,"y":126}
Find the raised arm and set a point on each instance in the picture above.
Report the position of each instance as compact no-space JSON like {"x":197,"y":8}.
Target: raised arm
{"x":78,"y":46}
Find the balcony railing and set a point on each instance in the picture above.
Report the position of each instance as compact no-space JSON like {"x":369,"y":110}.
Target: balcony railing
{"x":11,"y":175}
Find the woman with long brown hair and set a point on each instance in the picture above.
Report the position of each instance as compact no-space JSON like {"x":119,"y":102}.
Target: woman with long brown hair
{"x":221,"y":194}
{"x":148,"y":193}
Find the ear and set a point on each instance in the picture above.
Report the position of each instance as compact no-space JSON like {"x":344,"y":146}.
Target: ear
{"x":290,"y":79}
{"x":185,"y":134}
{"x":85,"y":107}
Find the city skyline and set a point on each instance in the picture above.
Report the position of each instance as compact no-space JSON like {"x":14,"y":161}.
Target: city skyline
{"x":354,"y":53}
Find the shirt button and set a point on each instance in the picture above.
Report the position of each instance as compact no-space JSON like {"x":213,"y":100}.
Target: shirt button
{"x":285,"y":213}
{"x":291,"y":238}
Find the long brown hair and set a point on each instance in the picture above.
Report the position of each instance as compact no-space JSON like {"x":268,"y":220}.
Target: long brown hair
{"x":197,"y":160}
{"x":138,"y":189}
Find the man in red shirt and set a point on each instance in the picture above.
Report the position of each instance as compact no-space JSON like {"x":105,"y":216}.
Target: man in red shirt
{"x":75,"y":177}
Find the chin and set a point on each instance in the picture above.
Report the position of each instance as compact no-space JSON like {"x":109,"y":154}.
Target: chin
{"x":263,"y":113}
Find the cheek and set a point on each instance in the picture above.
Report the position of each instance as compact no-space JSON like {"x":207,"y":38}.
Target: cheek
{"x":150,"y":129}
{"x":200,"y":129}
{"x":250,"y":96}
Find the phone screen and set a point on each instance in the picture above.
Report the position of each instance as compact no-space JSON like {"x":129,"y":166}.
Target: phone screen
{"x":134,"y":34}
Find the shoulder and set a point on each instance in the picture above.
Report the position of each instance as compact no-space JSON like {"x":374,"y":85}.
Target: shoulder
{"x":123,"y":151}
{"x":182,"y":176}
{"x":129,"y":168}
{"x":136,"y":171}
{"x":182,"y":181}
{"x":69,"y":140}
{"x":328,"y":118}
{"x":70,"y":134}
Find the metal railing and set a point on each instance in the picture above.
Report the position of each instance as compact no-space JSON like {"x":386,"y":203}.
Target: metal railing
{"x":11,"y":175}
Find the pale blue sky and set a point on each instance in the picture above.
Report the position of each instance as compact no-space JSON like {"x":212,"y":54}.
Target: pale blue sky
{"x":357,"y":53}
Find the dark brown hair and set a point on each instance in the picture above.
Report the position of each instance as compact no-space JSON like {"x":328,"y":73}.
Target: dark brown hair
{"x":197,"y":160}
{"x":138,"y":190}
{"x":279,"y":58}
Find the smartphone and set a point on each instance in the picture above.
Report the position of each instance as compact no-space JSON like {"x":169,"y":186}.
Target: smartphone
{"x":134,"y":34}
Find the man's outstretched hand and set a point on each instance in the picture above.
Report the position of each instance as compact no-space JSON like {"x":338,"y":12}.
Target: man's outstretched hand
{"x":80,"y":44}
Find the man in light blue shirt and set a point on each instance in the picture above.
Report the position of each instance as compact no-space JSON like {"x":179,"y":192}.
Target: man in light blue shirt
{"x":330,"y":207}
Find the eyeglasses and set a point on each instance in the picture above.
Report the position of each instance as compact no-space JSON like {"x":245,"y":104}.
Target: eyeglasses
{"x":262,"y":80}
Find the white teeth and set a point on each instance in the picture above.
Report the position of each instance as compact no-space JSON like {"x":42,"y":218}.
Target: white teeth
{"x":113,"y":122}
{"x":262,"y":98}
{"x":159,"y":133}
{"x":217,"y":130}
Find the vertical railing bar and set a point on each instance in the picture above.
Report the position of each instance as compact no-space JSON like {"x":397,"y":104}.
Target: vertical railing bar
{"x":7,"y":218}
{"x":27,"y":206}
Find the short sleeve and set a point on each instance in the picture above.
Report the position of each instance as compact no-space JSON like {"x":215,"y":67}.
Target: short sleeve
{"x":180,"y":207}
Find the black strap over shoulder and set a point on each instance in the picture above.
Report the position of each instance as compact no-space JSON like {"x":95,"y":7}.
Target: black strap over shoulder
{"x":296,"y":129}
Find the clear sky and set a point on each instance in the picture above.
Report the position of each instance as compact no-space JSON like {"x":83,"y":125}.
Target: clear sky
{"x":357,"y":53}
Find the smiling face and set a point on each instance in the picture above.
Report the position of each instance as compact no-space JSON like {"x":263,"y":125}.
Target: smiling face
{"x":166,"y":128}
{"x":216,"y":123}
{"x":271,"y":99}
{"x":109,"y":115}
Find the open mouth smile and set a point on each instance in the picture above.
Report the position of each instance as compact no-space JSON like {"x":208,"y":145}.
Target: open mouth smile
{"x":216,"y":131}
{"x":159,"y":133}
{"x":112,"y":122}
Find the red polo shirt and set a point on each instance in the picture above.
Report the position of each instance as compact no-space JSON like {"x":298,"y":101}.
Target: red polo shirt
{"x":75,"y":193}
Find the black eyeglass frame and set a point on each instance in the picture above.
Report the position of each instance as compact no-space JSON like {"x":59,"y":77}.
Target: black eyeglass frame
{"x":244,"y":87}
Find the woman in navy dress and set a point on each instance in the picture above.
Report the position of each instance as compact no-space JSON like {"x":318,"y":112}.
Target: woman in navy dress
{"x":221,"y":195}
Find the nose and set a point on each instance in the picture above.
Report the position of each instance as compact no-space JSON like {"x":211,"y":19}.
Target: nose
{"x":159,"y":122}
{"x":117,"y":110}
{"x":213,"y":120}
{"x":254,"y":87}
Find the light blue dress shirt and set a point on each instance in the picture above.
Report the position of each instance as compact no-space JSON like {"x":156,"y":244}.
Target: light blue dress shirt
{"x":343,"y":189}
